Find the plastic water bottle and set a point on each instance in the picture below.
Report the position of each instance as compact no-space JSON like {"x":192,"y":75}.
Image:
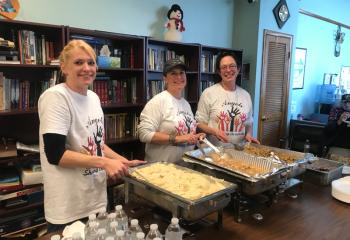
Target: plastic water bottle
{"x":133,"y":229}
{"x":77,"y":236}
{"x":120,"y":235}
{"x":102,"y":218}
{"x":91,"y":230}
{"x":153,"y":232}
{"x":111,"y":218}
{"x":55,"y":237}
{"x":113,"y":229}
{"x":140,"y":236}
{"x":173,"y":232}
{"x":101,"y":234}
{"x":307,"y":154}
{"x":307,"y":146}
{"x":121,"y":218}
{"x":92,"y":218}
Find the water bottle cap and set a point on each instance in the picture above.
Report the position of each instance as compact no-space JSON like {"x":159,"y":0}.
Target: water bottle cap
{"x":154,"y":226}
{"x":140,"y":235}
{"x":102,"y":211}
{"x":113,"y":224}
{"x":175,"y":220}
{"x":55,"y":237}
{"x":93,"y":224}
{"x":120,"y":233}
{"x":118,"y":207}
{"x":134,"y":222}
{"x":101,"y":231}
{"x":111,"y":215}
{"x":92,"y":216}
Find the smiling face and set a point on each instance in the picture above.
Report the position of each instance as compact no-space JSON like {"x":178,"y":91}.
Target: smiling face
{"x":176,"y":81}
{"x":79,"y":68}
{"x":228,"y":69}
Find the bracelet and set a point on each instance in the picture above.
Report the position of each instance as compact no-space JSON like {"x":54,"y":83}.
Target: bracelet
{"x":172,"y":139}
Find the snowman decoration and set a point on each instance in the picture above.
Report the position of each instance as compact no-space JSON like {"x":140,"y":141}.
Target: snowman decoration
{"x":174,"y":25}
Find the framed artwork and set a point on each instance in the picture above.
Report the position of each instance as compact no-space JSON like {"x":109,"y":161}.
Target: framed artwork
{"x":299,"y":68}
{"x":9,"y":8}
{"x":345,"y":77}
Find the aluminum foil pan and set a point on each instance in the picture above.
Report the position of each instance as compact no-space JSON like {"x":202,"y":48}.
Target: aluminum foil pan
{"x":265,"y":166}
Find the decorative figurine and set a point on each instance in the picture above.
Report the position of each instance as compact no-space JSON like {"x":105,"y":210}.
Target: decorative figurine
{"x":174,"y":25}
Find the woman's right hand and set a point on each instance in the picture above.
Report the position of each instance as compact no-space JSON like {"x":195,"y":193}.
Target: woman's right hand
{"x":221,"y":135}
{"x":343,"y":117}
{"x":115,"y":168}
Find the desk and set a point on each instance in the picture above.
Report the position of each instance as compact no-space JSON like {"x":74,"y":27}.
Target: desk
{"x":313,"y":215}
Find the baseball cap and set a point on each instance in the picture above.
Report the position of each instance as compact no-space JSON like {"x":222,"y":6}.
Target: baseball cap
{"x":173,"y":63}
{"x":345,"y":98}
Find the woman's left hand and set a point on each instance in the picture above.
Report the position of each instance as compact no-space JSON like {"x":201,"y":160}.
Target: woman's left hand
{"x":249,"y":138}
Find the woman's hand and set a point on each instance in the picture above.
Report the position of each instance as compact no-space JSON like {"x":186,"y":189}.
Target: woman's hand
{"x":249,"y":138}
{"x":115,"y":168}
{"x":343,"y":117}
{"x":221,"y":135}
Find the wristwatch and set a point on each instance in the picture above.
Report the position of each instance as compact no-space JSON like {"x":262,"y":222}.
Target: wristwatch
{"x":172,"y":138}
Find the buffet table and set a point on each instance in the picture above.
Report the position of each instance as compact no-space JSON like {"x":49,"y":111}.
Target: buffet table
{"x":313,"y":215}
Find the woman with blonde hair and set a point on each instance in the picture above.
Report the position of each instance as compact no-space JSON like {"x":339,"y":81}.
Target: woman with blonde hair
{"x":74,"y":158}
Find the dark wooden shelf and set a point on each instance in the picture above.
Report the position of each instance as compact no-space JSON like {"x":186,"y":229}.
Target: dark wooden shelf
{"x":28,"y":66}
{"x":19,"y":112}
{"x":128,"y":139}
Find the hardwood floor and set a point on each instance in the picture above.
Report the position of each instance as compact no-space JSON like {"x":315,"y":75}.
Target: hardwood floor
{"x":313,"y":215}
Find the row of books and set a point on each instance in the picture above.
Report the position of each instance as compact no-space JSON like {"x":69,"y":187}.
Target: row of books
{"x":205,"y":84}
{"x":154,"y":87}
{"x":120,"y":125}
{"x":157,"y":57}
{"x":34,"y":49}
{"x":113,"y":91}
{"x":23,"y":94}
{"x":208,"y":62}
{"x":125,"y":53}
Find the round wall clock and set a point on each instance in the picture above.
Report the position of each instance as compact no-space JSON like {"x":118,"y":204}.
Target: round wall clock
{"x":281,"y":13}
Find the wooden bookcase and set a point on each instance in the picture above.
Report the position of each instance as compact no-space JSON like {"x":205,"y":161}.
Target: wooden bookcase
{"x":158,"y":52}
{"x":208,"y":57}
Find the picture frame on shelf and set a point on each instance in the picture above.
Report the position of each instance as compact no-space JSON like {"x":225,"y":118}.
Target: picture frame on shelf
{"x":299,"y":68}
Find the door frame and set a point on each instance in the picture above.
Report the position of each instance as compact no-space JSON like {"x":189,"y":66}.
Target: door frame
{"x":288,"y":64}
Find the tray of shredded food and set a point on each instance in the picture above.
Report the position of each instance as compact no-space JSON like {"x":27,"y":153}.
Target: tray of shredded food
{"x":184,"y":192}
{"x":237,"y":163}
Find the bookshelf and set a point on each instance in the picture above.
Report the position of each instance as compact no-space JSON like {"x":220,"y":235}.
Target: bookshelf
{"x":158,"y":52}
{"x":207,"y":69}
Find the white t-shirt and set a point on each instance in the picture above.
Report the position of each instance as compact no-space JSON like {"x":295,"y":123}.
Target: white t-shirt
{"x":165,"y":113}
{"x":72,"y":193}
{"x":230,"y":111}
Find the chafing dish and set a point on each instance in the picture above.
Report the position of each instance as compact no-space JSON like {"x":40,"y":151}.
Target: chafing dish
{"x":295,"y":160}
{"x":179,"y":206}
{"x":273,"y":174}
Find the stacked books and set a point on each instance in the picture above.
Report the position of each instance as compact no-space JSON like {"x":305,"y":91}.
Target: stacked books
{"x":8,"y":55}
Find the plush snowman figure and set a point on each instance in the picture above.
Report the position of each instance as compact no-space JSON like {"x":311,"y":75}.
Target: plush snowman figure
{"x":174,"y":25}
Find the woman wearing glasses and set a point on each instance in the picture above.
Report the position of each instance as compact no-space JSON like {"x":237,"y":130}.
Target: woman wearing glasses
{"x":225,"y":109}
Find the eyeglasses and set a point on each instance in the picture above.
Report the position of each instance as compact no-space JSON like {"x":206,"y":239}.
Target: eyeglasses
{"x":228,"y":67}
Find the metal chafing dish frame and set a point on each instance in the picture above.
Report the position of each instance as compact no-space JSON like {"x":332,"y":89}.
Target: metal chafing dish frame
{"x":247,"y":185}
{"x":180,"y":207}
{"x":297,"y":167}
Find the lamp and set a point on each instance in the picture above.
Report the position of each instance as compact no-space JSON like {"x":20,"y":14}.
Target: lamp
{"x":339,"y":38}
